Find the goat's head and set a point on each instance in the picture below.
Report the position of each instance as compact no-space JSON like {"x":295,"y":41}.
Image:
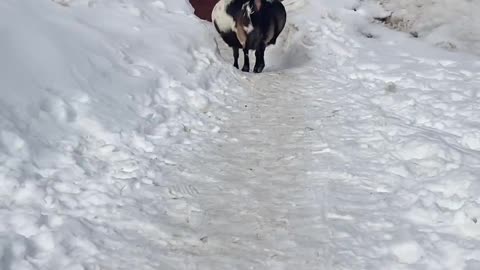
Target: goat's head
{"x":249,"y":9}
{"x":244,"y":23}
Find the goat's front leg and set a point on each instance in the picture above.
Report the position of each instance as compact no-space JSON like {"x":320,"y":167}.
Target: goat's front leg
{"x":235,"y":56}
{"x":260,"y":58}
{"x":246,"y":61}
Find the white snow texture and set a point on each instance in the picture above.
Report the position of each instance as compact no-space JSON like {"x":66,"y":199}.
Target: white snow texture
{"x":129,"y":141}
{"x":449,"y":24}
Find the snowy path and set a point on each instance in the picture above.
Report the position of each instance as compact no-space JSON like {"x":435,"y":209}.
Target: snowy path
{"x":261,"y":204}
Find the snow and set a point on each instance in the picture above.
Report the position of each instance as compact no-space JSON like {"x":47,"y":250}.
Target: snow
{"x":449,"y":24}
{"x":408,"y":253}
{"x":128,"y":141}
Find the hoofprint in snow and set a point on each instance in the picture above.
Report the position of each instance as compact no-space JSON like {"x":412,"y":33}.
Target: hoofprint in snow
{"x":145,"y":149}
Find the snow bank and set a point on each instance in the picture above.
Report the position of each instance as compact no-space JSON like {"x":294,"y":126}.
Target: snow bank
{"x":447,"y":24}
{"x":86,"y":86}
{"x":450,"y":24}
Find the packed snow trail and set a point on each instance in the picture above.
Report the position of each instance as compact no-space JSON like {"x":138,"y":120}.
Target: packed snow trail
{"x":358,"y":148}
{"x":260,"y":205}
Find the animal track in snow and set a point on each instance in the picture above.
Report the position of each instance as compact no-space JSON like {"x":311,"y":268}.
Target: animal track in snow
{"x":13,"y":144}
{"x":408,"y":252}
{"x":471,"y":140}
{"x":428,"y":158}
{"x":179,"y":191}
{"x":59,"y":109}
{"x":158,"y":4}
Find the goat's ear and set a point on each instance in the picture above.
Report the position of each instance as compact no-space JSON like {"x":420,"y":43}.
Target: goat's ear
{"x":258,"y":4}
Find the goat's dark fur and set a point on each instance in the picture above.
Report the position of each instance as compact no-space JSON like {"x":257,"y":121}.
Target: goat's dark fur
{"x":249,"y":25}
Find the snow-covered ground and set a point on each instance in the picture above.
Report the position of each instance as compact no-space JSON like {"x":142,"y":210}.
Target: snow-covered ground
{"x":448,"y":24}
{"x":128,"y":141}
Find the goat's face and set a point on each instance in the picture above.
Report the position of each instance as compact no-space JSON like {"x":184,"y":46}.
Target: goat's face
{"x":245,"y":19}
{"x":244,"y":23}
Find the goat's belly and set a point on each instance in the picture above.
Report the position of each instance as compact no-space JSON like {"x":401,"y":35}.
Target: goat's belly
{"x":231,"y":39}
{"x":253,"y":40}
{"x":222,"y":19}
{"x":251,"y":45}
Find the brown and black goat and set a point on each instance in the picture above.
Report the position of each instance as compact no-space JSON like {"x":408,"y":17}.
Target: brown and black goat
{"x":249,"y":25}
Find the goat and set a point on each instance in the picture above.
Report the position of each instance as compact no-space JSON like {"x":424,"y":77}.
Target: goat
{"x":250,"y":25}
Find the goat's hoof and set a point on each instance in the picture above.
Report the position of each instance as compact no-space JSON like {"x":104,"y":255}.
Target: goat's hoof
{"x":235,"y":66}
{"x":258,"y":69}
{"x":246,"y":69}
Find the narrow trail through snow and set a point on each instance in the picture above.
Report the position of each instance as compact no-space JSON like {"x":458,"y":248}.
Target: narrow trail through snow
{"x":271,"y":211}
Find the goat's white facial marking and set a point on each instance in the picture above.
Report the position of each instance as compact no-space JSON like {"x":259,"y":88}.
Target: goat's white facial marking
{"x":247,"y":11}
{"x":248,"y":28}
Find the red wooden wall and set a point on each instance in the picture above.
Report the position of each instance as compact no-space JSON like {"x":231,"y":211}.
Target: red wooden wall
{"x":203,"y":8}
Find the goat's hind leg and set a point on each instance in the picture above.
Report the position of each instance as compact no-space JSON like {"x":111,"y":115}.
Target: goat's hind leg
{"x":260,"y":58}
{"x":246,"y":61}
{"x":236,"y":54}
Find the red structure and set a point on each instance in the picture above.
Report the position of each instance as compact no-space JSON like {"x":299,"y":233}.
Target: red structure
{"x":203,"y":8}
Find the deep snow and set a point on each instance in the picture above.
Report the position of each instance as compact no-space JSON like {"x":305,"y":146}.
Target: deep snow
{"x":449,"y":24}
{"x":128,"y":141}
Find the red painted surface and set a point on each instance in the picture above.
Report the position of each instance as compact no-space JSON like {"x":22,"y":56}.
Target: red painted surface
{"x":203,"y":8}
